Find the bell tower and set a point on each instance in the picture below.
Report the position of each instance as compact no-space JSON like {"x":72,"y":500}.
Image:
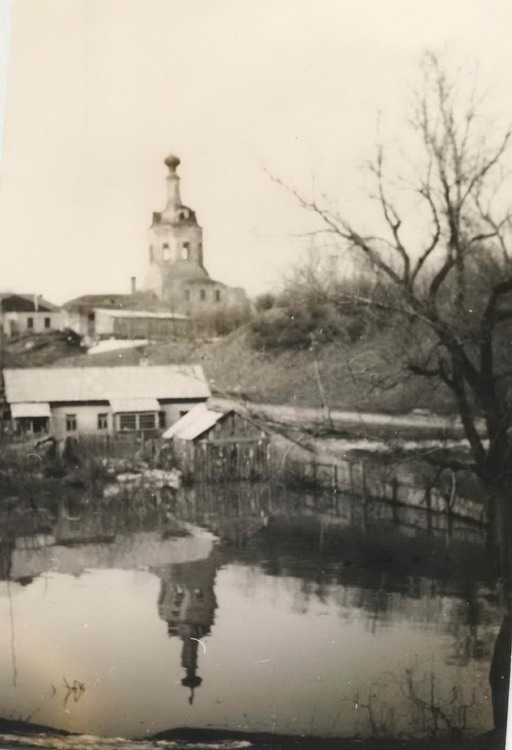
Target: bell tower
{"x":175,"y":241}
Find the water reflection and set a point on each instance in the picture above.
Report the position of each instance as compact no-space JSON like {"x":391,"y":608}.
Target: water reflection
{"x":187,"y":604}
{"x":311,"y":614}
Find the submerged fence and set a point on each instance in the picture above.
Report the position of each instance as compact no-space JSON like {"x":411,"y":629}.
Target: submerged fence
{"x":358,"y":479}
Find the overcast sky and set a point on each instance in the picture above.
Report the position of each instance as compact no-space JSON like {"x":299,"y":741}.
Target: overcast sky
{"x":100,"y":91}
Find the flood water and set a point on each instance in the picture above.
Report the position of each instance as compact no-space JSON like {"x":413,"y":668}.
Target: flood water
{"x":279,"y":612}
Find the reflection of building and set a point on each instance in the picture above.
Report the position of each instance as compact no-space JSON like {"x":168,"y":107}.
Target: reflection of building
{"x":187,"y":603}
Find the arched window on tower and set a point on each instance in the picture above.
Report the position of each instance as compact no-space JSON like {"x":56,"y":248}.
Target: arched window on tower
{"x":185,"y":251}
{"x":166,"y":252}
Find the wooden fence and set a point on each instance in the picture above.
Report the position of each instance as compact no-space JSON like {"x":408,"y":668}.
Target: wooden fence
{"x":354,"y":478}
{"x":231,"y":460}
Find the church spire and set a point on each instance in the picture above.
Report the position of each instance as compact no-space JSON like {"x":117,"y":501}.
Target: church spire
{"x":173,"y":184}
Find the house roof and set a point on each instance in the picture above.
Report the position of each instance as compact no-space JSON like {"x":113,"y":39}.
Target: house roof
{"x":100,"y":300}
{"x":196,"y":422}
{"x":141,"y":314}
{"x":105,"y":383}
{"x":40,"y":409}
{"x":13,"y":302}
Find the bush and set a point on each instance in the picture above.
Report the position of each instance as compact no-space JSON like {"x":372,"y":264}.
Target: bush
{"x":221,"y":321}
{"x":301,"y":327}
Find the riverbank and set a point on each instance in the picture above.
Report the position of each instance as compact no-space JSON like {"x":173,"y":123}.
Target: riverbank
{"x":364,"y":424}
{"x":17,"y":734}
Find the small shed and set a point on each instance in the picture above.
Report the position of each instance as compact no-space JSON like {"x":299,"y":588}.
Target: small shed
{"x":219,"y":443}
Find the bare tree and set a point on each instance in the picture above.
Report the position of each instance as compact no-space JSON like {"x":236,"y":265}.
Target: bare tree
{"x":458,"y":287}
{"x":441,"y":265}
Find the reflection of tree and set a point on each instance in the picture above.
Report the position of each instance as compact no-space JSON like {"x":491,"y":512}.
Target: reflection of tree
{"x":187,"y":603}
{"x":415,"y":703}
{"x":469,"y":626}
{"x":436,"y":713}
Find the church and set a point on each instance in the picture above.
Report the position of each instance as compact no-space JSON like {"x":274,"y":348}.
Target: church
{"x":176,"y":274}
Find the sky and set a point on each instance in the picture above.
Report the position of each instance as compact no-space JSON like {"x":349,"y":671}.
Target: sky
{"x":95,"y":93}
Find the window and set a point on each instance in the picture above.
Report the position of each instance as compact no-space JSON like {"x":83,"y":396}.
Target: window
{"x":146,"y":421}
{"x":71,"y":423}
{"x":30,"y":323}
{"x":166,"y":252}
{"x":127,"y":422}
{"x":187,"y":295}
{"x":202,"y":294}
{"x":185,"y":251}
{"x":102,"y":421}
{"x":217,"y":295}
{"x":47,"y":322}
{"x":91,"y":316}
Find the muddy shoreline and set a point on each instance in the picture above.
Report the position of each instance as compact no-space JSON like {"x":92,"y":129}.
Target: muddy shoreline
{"x":20,"y":734}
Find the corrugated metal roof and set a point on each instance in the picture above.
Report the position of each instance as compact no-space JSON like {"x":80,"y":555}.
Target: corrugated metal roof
{"x":196,"y":422}
{"x":30,"y":410}
{"x":134,"y":404}
{"x":105,"y":383}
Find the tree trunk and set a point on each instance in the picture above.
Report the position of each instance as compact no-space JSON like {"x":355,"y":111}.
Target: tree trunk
{"x":499,"y":676}
{"x":500,"y":551}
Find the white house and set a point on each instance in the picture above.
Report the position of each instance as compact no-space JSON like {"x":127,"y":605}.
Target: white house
{"x":67,"y":401}
{"x":29,"y":314}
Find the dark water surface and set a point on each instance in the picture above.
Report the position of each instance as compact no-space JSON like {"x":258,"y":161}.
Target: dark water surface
{"x":282,"y":612}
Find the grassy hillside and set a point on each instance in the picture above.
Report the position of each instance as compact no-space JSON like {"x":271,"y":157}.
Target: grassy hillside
{"x":38,"y":351}
{"x":351,"y":377}
{"x":280,"y":357}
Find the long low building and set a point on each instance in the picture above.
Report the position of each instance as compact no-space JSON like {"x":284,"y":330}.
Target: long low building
{"x":132,"y":324}
{"x":70,"y":401}
{"x":123,"y":316}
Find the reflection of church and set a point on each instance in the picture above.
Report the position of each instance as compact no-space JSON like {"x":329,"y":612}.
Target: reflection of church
{"x":187,"y":603}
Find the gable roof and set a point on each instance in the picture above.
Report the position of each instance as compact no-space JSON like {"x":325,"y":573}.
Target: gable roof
{"x":196,"y":422}
{"x":13,"y":302}
{"x":99,"y":300}
{"x":105,"y":383}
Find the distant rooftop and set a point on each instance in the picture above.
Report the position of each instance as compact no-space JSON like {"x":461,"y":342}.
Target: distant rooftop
{"x":101,"y":300}
{"x":15,"y":302}
{"x":142,"y":314}
{"x":143,"y":301}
